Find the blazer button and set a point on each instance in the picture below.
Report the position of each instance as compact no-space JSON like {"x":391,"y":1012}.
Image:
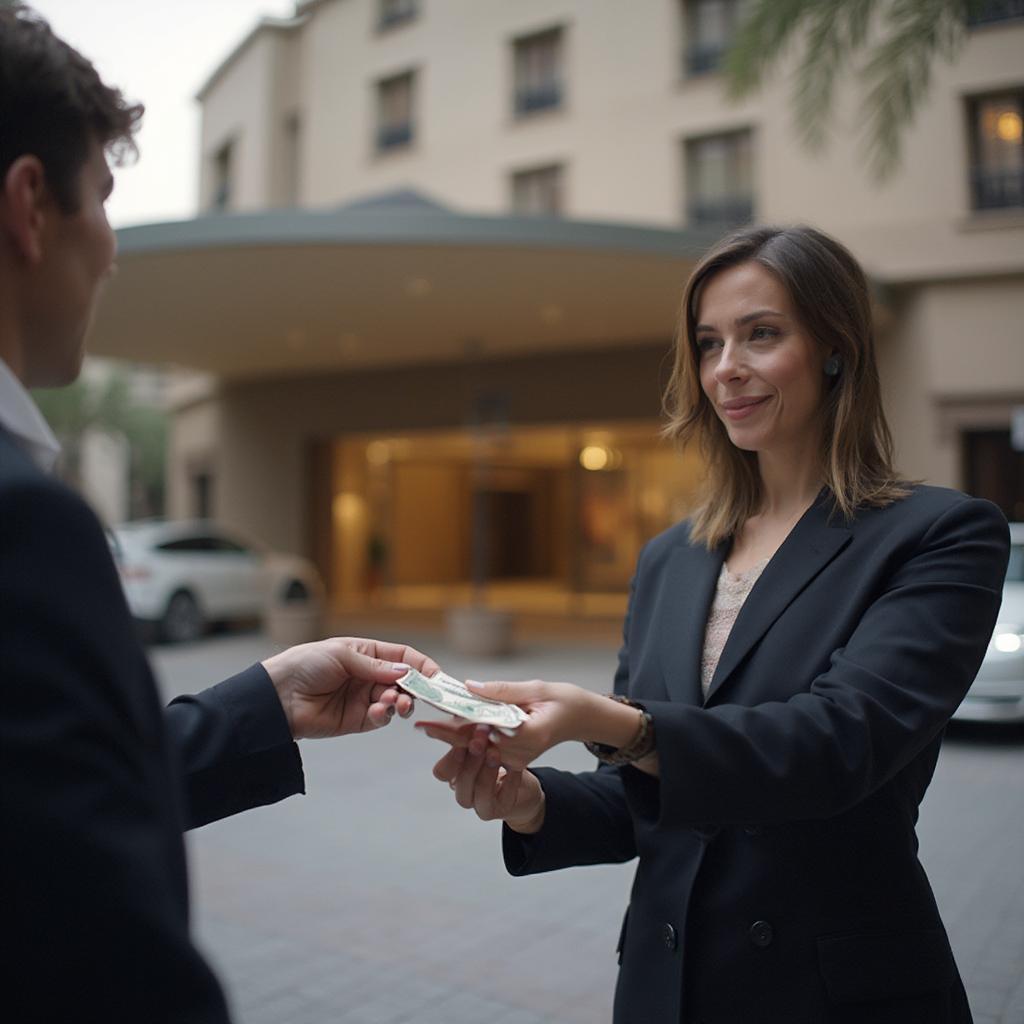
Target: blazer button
{"x":670,"y":937}
{"x":761,"y":934}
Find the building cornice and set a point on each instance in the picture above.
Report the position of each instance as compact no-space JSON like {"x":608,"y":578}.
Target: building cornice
{"x":267,"y":24}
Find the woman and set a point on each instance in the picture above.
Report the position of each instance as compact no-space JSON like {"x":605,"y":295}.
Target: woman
{"x":791,"y":656}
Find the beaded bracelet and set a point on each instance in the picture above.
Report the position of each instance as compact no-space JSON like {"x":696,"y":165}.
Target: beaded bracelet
{"x":640,"y":746}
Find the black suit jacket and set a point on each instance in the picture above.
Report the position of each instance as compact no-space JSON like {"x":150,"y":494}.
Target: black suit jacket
{"x":778,"y":878}
{"x":97,"y":781}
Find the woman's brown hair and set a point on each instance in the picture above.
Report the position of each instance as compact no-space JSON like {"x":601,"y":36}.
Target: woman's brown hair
{"x":832,"y":301}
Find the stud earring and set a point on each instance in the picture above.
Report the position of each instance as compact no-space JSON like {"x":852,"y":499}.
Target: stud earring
{"x":832,"y":366}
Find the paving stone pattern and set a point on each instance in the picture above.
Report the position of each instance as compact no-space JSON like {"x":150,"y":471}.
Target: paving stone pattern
{"x":375,"y":899}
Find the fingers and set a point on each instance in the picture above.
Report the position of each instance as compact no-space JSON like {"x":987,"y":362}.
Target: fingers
{"x":465,"y":781}
{"x":447,"y":768}
{"x":512,"y":693}
{"x":449,"y":732}
{"x":392,"y":653}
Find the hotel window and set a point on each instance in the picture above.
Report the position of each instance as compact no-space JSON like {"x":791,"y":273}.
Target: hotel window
{"x":391,"y":13}
{"x":710,"y":27}
{"x":538,"y":72}
{"x":292,"y":170}
{"x":997,"y":150}
{"x":538,"y":192}
{"x":223,"y":177}
{"x":395,"y":112}
{"x":720,"y":179}
{"x":988,"y":12}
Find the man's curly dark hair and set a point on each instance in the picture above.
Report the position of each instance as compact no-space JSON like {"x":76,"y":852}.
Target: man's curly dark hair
{"x":53,"y":105}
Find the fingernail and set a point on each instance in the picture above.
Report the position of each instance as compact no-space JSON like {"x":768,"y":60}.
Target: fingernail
{"x":479,"y":686}
{"x":400,"y":666}
{"x":494,"y":737}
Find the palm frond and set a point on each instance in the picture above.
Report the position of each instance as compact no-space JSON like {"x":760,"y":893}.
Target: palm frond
{"x":898,"y":73}
{"x":764,"y":34}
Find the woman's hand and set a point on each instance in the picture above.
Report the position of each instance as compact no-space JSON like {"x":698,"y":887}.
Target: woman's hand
{"x":556,"y":713}
{"x":343,"y":684}
{"x":493,"y":792}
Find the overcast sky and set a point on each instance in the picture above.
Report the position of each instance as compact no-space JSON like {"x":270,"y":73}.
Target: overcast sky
{"x":159,"y":52}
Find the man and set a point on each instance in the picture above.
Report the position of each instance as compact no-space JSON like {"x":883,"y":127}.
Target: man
{"x":96,"y":781}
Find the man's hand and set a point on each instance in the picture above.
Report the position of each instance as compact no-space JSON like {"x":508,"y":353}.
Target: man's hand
{"x":343,"y":685}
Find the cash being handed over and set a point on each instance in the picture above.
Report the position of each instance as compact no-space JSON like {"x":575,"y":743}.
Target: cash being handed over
{"x":447,"y":694}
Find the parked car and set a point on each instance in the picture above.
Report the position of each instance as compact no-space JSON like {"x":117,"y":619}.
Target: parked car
{"x":183,"y":576}
{"x":997,"y":694}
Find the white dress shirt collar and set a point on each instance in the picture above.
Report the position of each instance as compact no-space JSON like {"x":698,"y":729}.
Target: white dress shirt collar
{"x":20,"y":416}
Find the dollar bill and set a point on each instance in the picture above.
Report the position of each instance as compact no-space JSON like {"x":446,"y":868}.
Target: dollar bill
{"x":447,"y":694}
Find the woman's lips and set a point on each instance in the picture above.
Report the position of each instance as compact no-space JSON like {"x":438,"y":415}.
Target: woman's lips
{"x":740,"y":408}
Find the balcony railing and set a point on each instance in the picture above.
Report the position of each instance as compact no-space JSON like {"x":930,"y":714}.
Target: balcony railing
{"x":699,"y":60}
{"x":531,"y":99}
{"x":997,"y":190}
{"x":393,"y":136}
{"x":991,"y":11}
{"x":730,"y":212}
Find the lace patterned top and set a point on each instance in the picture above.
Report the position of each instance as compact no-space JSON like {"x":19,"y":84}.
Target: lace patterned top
{"x":730,"y":594}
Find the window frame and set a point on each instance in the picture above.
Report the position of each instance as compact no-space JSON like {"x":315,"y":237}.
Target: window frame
{"x":983,"y":184}
{"x":737,"y":209}
{"x":389,"y":139}
{"x":529,"y":101}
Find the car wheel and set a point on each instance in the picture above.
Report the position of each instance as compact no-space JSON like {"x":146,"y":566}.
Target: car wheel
{"x":183,"y":620}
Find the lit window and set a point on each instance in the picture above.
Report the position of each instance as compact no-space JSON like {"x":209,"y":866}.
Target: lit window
{"x":391,"y":13}
{"x":538,"y":72}
{"x":538,"y":192}
{"x":395,"y":112}
{"x":997,"y":138}
{"x":720,"y":179}
{"x":710,"y":27}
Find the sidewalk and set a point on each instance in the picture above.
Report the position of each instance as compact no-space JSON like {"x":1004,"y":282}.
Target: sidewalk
{"x":377,"y":900}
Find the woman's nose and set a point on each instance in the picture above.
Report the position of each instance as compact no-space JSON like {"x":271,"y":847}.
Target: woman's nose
{"x":729,"y":366}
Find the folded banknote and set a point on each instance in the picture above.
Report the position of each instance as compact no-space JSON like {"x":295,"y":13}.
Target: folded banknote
{"x":447,"y":694}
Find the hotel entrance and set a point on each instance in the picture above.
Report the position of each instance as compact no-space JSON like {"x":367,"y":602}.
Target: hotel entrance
{"x":546,"y":520}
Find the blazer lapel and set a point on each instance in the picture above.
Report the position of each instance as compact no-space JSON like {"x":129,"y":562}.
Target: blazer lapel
{"x":690,"y":581}
{"x":810,"y":546}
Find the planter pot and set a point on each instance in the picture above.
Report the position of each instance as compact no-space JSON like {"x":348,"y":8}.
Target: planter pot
{"x":287,"y":625}
{"x":480,"y":632}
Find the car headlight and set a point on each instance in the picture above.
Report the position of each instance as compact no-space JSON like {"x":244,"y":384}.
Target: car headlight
{"x":1007,"y":637}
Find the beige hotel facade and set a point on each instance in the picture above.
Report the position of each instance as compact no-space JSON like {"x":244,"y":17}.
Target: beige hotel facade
{"x":430,"y":294}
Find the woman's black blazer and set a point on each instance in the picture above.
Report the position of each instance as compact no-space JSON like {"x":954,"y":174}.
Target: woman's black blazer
{"x":778,"y":878}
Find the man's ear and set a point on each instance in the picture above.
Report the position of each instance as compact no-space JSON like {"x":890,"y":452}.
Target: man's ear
{"x":25,"y":204}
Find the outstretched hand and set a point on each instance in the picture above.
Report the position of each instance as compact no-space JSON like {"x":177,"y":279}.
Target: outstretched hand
{"x":343,"y":685}
{"x":557,"y":713}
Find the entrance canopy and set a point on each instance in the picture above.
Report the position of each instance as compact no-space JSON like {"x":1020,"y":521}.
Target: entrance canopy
{"x":396,"y":280}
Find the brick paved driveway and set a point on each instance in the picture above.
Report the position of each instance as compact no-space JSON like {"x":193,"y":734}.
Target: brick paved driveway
{"x":377,"y":900}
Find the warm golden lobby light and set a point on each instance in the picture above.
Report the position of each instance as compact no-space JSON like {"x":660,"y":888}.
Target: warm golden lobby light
{"x":594,"y":457}
{"x":1009,"y":126}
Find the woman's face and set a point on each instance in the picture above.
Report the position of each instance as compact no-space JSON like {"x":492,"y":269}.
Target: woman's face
{"x":761,"y":371}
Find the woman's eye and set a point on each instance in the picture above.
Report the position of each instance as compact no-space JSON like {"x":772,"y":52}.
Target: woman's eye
{"x":706,"y":344}
{"x":761,"y":333}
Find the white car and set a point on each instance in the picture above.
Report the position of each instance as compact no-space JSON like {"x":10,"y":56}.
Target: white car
{"x":997,"y":694}
{"x":183,"y":576}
